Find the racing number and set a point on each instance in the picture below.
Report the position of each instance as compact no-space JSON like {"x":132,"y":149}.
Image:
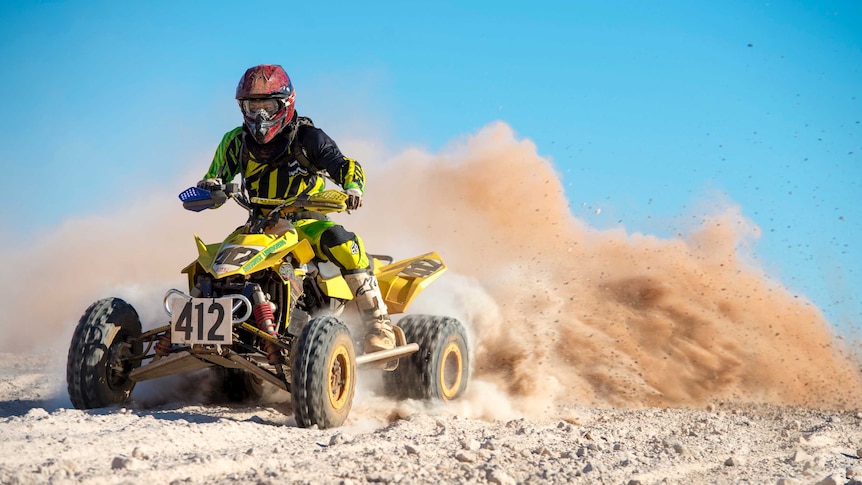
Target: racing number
{"x":184,"y":322}
{"x":200,"y":321}
{"x":212,"y":334}
{"x":235,"y":255}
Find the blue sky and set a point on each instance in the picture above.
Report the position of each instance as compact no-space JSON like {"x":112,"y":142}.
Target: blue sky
{"x":645,"y":108}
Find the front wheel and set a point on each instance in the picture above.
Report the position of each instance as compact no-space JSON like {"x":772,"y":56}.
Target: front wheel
{"x":323,"y":375}
{"x":439,"y":370}
{"x":105,"y":349}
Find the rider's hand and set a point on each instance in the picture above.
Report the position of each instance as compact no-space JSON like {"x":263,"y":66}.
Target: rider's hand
{"x":354,"y":198}
{"x":209,"y":184}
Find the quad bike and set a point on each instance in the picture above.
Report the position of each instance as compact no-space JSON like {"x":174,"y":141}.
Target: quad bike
{"x":262,"y":309}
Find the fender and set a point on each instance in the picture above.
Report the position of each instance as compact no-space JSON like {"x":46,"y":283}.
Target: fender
{"x":246,"y":253}
{"x":402,"y":281}
{"x":331,"y":282}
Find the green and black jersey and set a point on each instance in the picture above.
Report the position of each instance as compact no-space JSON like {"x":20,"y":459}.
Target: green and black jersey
{"x":287,"y":166}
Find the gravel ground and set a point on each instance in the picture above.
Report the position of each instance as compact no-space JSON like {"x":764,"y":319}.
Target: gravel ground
{"x":598,"y":355}
{"x":164,"y":438}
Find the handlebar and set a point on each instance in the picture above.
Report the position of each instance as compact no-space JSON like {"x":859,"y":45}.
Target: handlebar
{"x":198,"y":198}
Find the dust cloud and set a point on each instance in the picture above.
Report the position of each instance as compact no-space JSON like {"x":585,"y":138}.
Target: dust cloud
{"x":564,"y":313}
{"x":135,"y":251}
{"x":558,"y":312}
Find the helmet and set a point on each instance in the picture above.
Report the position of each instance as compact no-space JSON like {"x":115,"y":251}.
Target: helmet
{"x":266,"y":98}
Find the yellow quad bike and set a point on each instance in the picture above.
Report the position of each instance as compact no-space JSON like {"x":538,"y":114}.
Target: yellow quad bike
{"x":262,"y":309}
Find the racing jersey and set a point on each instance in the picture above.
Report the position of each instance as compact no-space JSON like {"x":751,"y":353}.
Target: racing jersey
{"x":287,"y":166}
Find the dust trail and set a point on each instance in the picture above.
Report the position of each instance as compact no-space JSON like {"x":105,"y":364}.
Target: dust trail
{"x":558,"y":312}
{"x":567,"y":313}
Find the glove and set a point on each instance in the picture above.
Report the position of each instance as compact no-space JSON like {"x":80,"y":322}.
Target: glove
{"x":209,"y":184}
{"x":354,"y":198}
{"x":216,"y":190}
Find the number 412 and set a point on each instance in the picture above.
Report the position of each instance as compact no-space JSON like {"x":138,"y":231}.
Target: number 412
{"x":185,"y":325}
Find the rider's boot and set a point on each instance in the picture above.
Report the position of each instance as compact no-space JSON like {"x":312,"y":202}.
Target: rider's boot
{"x":372,"y":310}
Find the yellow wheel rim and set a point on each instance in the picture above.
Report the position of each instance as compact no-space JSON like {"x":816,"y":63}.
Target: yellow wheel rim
{"x":451,"y":368}
{"x":340,"y":377}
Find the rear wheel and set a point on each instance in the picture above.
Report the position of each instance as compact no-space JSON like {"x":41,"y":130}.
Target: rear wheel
{"x":439,"y":370}
{"x":238,"y":385}
{"x":323,"y":378}
{"x":104,"y":348}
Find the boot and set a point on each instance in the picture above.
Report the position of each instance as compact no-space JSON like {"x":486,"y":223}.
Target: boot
{"x":372,"y":310}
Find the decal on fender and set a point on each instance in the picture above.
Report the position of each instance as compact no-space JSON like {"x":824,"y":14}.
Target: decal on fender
{"x":421,"y":268}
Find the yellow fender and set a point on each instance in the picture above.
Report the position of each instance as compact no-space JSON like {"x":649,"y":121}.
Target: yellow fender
{"x":247,"y":253}
{"x":331,"y":282}
{"x":401,"y":281}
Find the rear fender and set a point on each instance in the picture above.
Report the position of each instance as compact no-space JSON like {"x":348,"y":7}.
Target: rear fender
{"x":402,"y":281}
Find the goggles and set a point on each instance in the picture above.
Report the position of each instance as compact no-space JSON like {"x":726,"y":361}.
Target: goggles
{"x":263,"y":108}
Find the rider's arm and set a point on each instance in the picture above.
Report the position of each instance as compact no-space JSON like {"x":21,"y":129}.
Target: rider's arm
{"x":324,"y":153}
{"x":226,"y":161}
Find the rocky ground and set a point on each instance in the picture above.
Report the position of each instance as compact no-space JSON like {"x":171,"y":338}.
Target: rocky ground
{"x":164,"y":439}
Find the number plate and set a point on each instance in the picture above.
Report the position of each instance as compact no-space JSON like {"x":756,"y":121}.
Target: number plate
{"x":201,"y":321}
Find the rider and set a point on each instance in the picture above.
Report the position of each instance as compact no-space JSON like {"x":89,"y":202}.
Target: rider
{"x":282,"y":155}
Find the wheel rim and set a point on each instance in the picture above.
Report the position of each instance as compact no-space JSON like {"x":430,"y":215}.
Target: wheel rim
{"x":451,"y":367}
{"x":340,"y":378}
{"x":118,"y":365}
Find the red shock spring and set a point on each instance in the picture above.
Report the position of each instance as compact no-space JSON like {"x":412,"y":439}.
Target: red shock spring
{"x":273,"y":353}
{"x":264,"y":317}
{"x":163,"y":346}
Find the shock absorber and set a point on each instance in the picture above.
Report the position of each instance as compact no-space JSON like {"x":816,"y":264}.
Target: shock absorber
{"x":163,"y":345}
{"x":263,"y":315}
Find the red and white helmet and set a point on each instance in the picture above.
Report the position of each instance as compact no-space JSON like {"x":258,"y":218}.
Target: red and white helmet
{"x":267,"y":100}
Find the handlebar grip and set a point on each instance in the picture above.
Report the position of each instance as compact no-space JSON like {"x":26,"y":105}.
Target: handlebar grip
{"x":218,"y":196}
{"x":232,"y":188}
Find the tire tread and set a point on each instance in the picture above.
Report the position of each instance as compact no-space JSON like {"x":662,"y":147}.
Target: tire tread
{"x":87,"y":350}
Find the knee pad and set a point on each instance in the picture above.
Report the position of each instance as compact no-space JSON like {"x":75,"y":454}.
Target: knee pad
{"x":344,"y":248}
